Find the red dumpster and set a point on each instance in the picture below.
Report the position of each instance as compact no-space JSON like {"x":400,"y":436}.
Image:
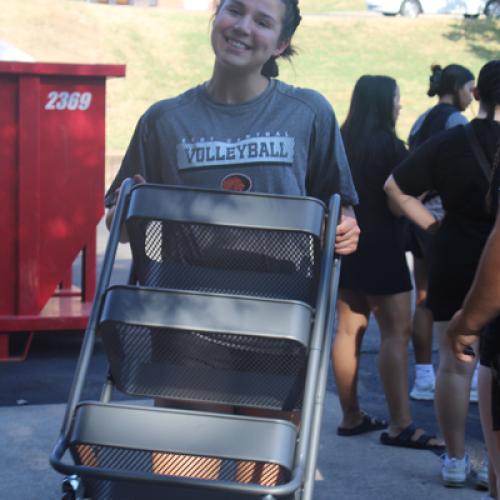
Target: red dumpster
{"x":52,"y":146}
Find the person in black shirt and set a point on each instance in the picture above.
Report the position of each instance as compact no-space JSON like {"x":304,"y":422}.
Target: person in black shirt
{"x":448,"y":163}
{"x":480,"y":308}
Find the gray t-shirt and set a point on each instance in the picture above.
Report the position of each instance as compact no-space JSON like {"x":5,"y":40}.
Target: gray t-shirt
{"x":285,"y":141}
{"x":453,"y":120}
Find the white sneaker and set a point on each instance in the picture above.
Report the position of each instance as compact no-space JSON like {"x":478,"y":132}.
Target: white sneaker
{"x":423,"y":389}
{"x":454,"y":471}
{"x":481,"y":475}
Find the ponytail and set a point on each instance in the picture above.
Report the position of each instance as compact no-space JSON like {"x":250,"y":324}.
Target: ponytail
{"x":291,"y":20}
{"x":270,"y":69}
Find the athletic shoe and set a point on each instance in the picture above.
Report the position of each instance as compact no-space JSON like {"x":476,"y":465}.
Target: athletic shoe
{"x":423,"y":389}
{"x":480,"y":475}
{"x":454,"y":471}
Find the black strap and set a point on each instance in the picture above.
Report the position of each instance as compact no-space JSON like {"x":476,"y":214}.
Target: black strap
{"x":478,"y":152}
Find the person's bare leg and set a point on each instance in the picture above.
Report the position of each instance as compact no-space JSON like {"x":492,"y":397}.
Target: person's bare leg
{"x":352,"y":320}
{"x":394,"y":319}
{"x":491,"y":438}
{"x":393,"y":314}
{"x":422,"y":317}
{"x":452,"y":395}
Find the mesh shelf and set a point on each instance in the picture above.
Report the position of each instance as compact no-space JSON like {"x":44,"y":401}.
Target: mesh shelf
{"x":101,"y":430}
{"x":216,"y":242}
{"x":201,"y":347}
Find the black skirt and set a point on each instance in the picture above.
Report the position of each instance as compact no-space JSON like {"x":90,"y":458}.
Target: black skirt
{"x":378,"y":267}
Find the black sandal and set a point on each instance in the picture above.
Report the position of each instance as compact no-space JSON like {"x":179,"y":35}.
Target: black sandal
{"x":405,"y":440}
{"x":368,"y":424}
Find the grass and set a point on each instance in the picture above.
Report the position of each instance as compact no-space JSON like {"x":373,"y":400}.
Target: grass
{"x":167,"y":51}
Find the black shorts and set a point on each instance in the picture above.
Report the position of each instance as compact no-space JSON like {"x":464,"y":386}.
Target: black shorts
{"x":489,"y":348}
{"x":418,"y":241}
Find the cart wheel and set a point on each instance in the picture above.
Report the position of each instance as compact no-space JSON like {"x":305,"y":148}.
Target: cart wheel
{"x":72,"y":488}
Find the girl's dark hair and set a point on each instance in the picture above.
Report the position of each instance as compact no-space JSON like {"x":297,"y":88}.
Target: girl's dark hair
{"x":371,"y":110}
{"x":488,"y":85}
{"x":448,"y":80}
{"x":492,"y":194}
{"x":290,"y":22}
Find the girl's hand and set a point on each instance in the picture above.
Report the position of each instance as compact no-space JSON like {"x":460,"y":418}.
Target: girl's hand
{"x":110,"y":214}
{"x":348,"y":232}
{"x":461,"y":338}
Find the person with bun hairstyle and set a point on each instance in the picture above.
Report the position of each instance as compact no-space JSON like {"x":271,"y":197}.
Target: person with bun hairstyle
{"x":375,"y":279}
{"x":243,"y":129}
{"x":453,"y":86}
{"x":457,"y":163}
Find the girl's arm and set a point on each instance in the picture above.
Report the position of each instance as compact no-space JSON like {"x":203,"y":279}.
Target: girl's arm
{"x":404,"y":204}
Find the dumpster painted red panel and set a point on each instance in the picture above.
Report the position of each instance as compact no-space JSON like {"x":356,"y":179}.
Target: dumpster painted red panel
{"x":72,"y":147}
{"x":8,"y":197}
{"x":28,"y":198}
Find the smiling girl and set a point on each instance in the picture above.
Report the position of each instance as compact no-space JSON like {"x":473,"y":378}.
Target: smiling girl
{"x":243,"y":129}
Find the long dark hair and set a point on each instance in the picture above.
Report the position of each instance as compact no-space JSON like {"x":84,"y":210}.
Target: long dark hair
{"x":290,"y":22}
{"x":492,"y":195}
{"x":488,"y":86}
{"x":371,"y":110}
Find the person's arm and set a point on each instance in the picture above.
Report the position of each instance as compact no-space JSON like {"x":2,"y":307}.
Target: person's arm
{"x":422,"y":170}
{"x":329,"y":172}
{"x":410,"y":206}
{"x":482,"y":303}
{"x":110,"y":214}
{"x":134,"y":165}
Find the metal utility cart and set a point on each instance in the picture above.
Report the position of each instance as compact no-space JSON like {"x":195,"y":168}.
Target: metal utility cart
{"x":228,"y":320}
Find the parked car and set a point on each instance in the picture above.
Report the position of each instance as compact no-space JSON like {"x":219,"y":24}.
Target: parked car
{"x":412,"y":8}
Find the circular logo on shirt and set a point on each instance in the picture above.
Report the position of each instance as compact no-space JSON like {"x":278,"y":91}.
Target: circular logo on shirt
{"x":236,"y":182}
